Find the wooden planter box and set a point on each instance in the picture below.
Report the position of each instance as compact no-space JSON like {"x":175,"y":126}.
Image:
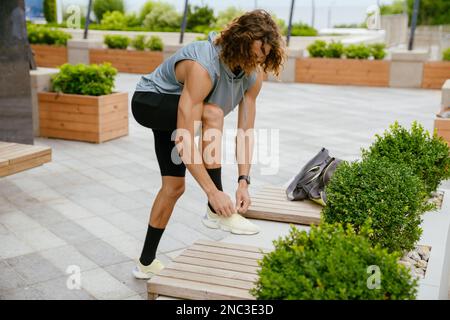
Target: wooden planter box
{"x":343,"y":71}
{"x":83,"y":118}
{"x":49,"y":56}
{"x":435,"y":73}
{"x":129,"y":61}
{"x":442,"y":125}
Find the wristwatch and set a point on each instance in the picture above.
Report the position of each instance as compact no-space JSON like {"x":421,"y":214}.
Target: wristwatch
{"x":246,"y":178}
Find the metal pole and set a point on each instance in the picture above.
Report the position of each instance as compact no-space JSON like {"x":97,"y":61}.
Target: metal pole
{"x":183,"y":24}
{"x":313,"y":13}
{"x":288,"y":36}
{"x":413,"y":24}
{"x":88,"y":20}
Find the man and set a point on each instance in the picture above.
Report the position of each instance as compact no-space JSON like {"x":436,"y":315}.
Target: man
{"x":199,"y":85}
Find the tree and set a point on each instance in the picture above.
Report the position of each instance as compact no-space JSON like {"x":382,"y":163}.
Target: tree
{"x":102,"y":6}
{"x":50,"y":10}
{"x":200,"y":16}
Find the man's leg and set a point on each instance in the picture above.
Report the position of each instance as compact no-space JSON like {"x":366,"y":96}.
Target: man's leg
{"x":211,"y":143}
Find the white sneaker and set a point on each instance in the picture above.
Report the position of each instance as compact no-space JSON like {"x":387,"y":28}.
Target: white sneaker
{"x":236,"y":223}
{"x":146,"y":272}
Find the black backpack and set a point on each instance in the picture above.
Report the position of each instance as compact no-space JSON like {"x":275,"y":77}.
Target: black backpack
{"x":310,"y":182}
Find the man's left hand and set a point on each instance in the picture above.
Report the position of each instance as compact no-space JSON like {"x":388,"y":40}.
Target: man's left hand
{"x":242,"y":199}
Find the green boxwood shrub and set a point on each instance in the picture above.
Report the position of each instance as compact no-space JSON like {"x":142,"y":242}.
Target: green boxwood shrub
{"x":357,"y":51}
{"x":331,"y":263}
{"x":43,"y":35}
{"x":334,"y":50}
{"x":320,"y":49}
{"x":155,"y":43}
{"x":49,"y":8}
{"x":224,"y":17}
{"x":92,"y":80}
{"x":302,"y":30}
{"x":162,"y":17}
{"x":446,"y":55}
{"x":116,"y":41}
{"x":426,"y":155}
{"x":317,"y":49}
{"x":377,"y":51}
{"x":385,"y":195}
{"x":114,"y":20}
{"x":138,"y":42}
{"x":200,"y":18}
{"x":100,"y":7}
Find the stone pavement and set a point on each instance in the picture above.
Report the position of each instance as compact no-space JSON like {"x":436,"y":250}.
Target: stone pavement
{"x":89,"y":207}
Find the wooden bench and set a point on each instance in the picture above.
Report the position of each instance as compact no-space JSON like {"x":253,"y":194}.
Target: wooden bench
{"x":16,"y":157}
{"x":209,"y":270}
{"x":271,"y":203}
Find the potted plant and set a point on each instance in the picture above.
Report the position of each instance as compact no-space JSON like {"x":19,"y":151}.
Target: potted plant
{"x":393,"y":190}
{"x":331,"y":263}
{"x":83,"y":105}
{"x":48,"y":45}
{"x":144,"y":58}
{"x":435,"y":73}
{"x":334,"y":63}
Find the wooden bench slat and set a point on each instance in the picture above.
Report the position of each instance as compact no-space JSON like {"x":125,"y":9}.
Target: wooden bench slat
{"x":206,"y":279}
{"x":218,"y":257}
{"x":295,"y":206}
{"x":193,"y":290}
{"x":213,"y":271}
{"x":232,"y":246}
{"x":226,"y":252}
{"x":216,"y":264}
{"x":16,"y":157}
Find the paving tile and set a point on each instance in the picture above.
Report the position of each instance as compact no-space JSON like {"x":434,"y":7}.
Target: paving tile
{"x":17,"y":220}
{"x":101,"y":253}
{"x":57,"y":289}
{"x":123,"y":273}
{"x":71,"y":232}
{"x":39,"y":238}
{"x":124,"y":221}
{"x":22,"y":293}
{"x":12,"y":246}
{"x":96,"y":205}
{"x":9,"y":279}
{"x":44,"y":215}
{"x":34,"y":268}
{"x":126,"y":244}
{"x":66,"y":256}
{"x":99,"y":227}
{"x":103,"y":286}
{"x":70,"y":210}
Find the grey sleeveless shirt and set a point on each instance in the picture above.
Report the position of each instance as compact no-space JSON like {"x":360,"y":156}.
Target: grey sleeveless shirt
{"x":228,"y":88}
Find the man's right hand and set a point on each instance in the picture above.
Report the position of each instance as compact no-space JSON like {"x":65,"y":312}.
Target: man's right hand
{"x":221,"y":203}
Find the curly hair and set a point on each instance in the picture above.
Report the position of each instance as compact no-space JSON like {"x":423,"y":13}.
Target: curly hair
{"x":237,"y":38}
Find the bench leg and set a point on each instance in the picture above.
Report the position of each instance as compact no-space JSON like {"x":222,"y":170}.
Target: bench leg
{"x":152,"y":296}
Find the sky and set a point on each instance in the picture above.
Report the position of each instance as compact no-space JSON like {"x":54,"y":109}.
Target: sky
{"x":327,"y":12}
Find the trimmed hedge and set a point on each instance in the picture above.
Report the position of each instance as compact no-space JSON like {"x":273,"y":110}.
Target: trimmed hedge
{"x":331,"y":262}
{"x":427,"y":155}
{"x":446,"y":55}
{"x":116,"y":41}
{"x":384,"y":195}
{"x":321,"y":49}
{"x":155,"y":43}
{"x":49,"y":8}
{"x":100,"y":7}
{"x":92,"y":80}
{"x":43,"y":35}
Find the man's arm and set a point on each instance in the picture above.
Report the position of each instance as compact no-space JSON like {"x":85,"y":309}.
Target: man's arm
{"x":197,"y":85}
{"x":245,"y":141}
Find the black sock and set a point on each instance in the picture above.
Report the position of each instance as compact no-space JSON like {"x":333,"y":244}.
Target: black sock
{"x":216,"y":177}
{"x":150,"y":245}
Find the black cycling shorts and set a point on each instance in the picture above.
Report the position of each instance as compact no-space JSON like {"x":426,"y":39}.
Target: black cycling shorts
{"x":158,"y":111}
